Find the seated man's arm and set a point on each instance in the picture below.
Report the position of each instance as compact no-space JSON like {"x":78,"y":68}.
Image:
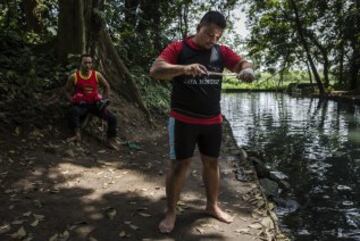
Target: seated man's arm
{"x":105,"y":83}
{"x":69,"y":87}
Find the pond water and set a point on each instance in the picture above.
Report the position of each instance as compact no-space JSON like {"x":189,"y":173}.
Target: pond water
{"x":317,"y":146}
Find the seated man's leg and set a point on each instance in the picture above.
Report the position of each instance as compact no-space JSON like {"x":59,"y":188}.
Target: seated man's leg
{"x":111,"y":120}
{"x":75,"y":114}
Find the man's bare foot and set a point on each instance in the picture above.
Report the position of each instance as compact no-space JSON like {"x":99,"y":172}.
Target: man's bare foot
{"x":219,"y":214}
{"x":76,"y":137}
{"x":168,"y":223}
{"x":111,"y":143}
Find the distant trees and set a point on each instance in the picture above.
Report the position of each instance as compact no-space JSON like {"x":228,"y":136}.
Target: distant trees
{"x":285,"y":33}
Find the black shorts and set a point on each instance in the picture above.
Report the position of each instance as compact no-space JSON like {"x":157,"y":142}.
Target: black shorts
{"x":184,"y":137}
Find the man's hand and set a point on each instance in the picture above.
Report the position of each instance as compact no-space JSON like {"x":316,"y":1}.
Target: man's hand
{"x":195,"y":70}
{"x":246,"y":75}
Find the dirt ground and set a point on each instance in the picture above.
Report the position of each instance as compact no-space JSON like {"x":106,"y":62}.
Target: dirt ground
{"x":54,"y":190}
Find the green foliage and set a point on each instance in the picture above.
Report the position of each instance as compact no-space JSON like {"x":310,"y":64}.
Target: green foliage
{"x":155,"y":95}
{"x":26,"y":72}
{"x":329,"y":28}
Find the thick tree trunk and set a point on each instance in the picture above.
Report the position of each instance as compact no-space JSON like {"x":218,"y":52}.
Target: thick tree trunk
{"x":71,"y":29}
{"x":300,"y":31}
{"x":32,"y":17}
{"x":114,"y":67}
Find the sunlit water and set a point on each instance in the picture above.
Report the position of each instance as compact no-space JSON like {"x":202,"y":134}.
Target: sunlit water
{"x":317,"y":146}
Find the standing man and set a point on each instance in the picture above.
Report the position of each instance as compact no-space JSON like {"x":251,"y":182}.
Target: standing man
{"x":82,"y":90}
{"x":195,"y":116}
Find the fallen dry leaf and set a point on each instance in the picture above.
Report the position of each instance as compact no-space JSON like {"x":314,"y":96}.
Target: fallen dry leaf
{"x":243,"y":231}
{"x":27,"y":214}
{"x":255,"y":226}
{"x":134,"y":227}
{"x":144,"y":214}
{"x":64,"y":236}
{"x":267,"y":223}
{"x":111,"y":213}
{"x":20,"y":234}
{"x":39,"y":217}
{"x":200,"y":230}
{"x":17,"y":222}
{"x":122,"y":234}
{"x":35,"y":223}
{"x":54,"y":237}
{"x":5,"y":228}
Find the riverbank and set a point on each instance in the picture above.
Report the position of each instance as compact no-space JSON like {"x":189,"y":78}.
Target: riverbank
{"x":339,"y":96}
{"x":251,"y":90}
{"x":55,"y":190}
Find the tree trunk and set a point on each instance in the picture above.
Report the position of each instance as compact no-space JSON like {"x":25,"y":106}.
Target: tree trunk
{"x":32,"y":17}
{"x":309,"y":72}
{"x":300,"y":31}
{"x":130,"y":11}
{"x":71,"y":29}
{"x":355,"y":58}
{"x":354,"y":70}
{"x":341,"y":49}
{"x":324,"y":54}
{"x":183,"y":19}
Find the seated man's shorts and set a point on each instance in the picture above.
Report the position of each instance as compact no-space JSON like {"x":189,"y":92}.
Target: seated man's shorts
{"x":183,"y":138}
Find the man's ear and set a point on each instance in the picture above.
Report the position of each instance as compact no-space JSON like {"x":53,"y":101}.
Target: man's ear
{"x":198,"y":28}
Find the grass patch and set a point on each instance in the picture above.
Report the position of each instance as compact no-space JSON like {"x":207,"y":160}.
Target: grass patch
{"x":266,"y":81}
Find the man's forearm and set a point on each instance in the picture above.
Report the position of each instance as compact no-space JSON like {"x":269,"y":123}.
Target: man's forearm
{"x":165,"y":71}
{"x":107,"y":93}
{"x":68,"y":95}
{"x":242,"y":65}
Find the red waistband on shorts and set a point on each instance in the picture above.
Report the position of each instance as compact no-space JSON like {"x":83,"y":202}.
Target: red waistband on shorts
{"x":196,"y":121}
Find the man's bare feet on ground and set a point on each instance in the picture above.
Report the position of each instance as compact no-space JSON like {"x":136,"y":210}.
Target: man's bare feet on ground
{"x":219,"y":214}
{"x":168,"y":223}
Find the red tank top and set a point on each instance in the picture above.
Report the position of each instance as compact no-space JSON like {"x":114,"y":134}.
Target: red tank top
{"x":86,"y":88}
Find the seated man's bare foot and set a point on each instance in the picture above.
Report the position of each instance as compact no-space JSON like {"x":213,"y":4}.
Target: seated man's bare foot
{"x":112,"y":144}
{"x":74,"y":139}
{"x":168,"y":223}
{"x":219,"y":214}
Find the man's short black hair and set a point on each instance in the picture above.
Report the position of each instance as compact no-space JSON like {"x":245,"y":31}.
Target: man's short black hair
{"x":84,"y":55}
{"x":214,"y":17}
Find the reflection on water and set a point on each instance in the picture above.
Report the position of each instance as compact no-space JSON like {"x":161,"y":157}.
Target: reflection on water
{"x":317,"y":145}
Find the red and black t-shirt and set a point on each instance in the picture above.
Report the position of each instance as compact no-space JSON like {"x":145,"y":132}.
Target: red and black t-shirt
{"x":196,"y":100}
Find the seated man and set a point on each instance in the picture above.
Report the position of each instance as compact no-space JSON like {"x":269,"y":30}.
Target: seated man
{"x":82,"y":90}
